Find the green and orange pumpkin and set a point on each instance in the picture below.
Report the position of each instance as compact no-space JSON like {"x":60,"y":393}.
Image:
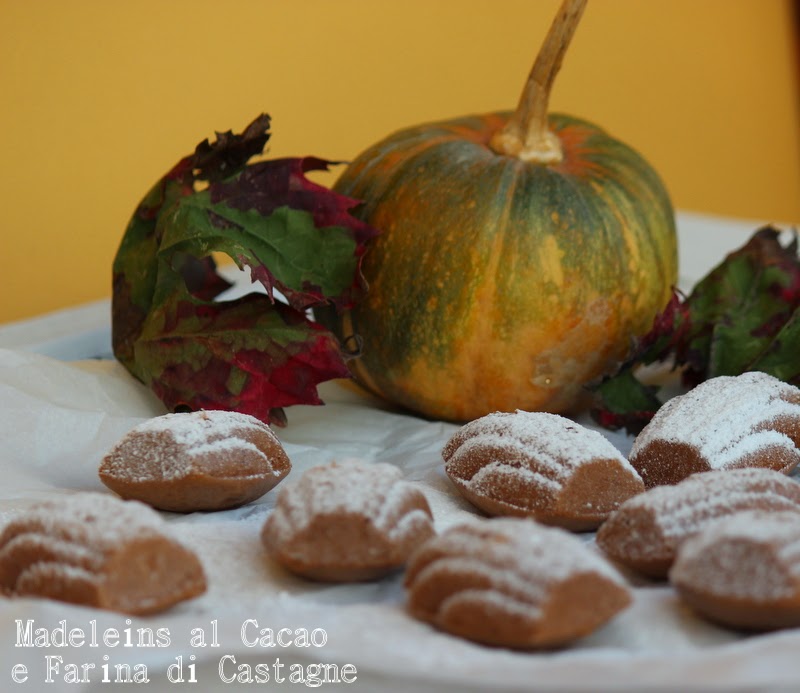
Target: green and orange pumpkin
{"x":519,"y":255}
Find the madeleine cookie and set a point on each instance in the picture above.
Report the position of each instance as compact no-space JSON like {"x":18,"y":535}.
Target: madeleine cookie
{"x":646,"y":531}
{"x":346,"y":522}
{"x":514,"y":583}
{"x":743,"y":571}
{"x":544,"y":466}
{"x":728,"y":422}
{"x":203,"y":460}
{"x":97,"y":550}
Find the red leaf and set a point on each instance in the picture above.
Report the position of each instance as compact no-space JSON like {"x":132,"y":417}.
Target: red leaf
{"x":253,"y":355}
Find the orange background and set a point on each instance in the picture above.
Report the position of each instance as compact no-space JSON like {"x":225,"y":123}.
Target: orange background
{"x":100,"y":98}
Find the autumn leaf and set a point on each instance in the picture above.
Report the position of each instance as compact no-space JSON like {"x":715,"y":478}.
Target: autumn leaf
{"x":743,"y":316}
{"x":738,"y":309}
{"x":623,"y":400}
{"x":255,"y":354}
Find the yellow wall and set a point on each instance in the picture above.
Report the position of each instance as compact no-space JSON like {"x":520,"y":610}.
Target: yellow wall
{"x":98,"y":98}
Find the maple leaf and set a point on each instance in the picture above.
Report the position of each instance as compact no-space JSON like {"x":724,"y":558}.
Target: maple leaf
{"x":255,"y":354}
{"x":744,"y":315}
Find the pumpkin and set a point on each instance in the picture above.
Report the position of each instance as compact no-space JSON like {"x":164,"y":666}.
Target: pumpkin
{"x":519,"y":254}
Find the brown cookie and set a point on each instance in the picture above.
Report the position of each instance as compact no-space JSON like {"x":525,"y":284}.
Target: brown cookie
{"x":743,"y":571}
{"x":729,"y":422}
{"x":646,"y":531}
{"x":189,"y":462}
{"x":514,"y":583}
{"x":544,"y":466}
{"x":100,"y":551}
{"x":347,"y":521}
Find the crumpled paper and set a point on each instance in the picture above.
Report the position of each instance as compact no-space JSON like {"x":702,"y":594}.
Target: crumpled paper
{"x":58,"y":419}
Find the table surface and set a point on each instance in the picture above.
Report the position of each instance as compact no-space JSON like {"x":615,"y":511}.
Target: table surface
{"x":58,"y":417}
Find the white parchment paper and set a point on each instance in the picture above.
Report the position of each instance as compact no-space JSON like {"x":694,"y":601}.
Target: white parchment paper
{"x":58,"y":419}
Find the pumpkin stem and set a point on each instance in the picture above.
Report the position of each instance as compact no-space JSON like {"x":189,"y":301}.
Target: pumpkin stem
{"x":526,"y":134}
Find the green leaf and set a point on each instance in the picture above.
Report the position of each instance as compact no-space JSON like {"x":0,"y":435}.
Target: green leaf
{"x":255,"y":354}
{"x":737,"y":308}
{"x":782,"y":357}
{"x":626,"y":402}
{"x":284,"y":249}
{"x":742,"y":316}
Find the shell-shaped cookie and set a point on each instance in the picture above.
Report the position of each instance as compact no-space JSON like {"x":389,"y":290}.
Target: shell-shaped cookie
{"x":97,"y":550}
{"x":203,"y":460}
{"x":514,"y":583}
{"x":646,"y":531}
{"x":743,"y":571}
{"x":539,"y":465}
{"x":728,"y":422}
{"x":347,"y":521}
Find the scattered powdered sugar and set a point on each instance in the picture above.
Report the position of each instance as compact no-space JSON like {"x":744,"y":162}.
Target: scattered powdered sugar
{"x":532,"y":551}
{"x":682,"y":509}
{"x":190,"y":429}
{"x":536,"y":447}
{"x":504,"y":602}
{"x":497,"y":596}
{"x":548,"y":434}
{"x":410,"y":524}
{"x":52,"y":572}
{"x":748,"y":555}
{"x":173,"y":446}
{"x":95,"y":519}
{"x":56,"y":548}
{"x":394,"y":495}
{"x":503,"y":568}
{"x":725,"y":418}
{"x":727,"y":455}
{"x":74,"y":534}
{"x":513,"y":449}
{"x":375,"y":491}
{"x":505,"y":582}
{"x":492,"y":476}
{"x":224,"y":445}
{"x":688,"y":518}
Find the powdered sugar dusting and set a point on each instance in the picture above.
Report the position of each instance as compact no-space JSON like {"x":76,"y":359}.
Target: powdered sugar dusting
{"x":502,"y":601}
{"x":490,"y":476}
{"x":727,"y":456}
{"x":748,"y":555}
{"x":508,"y":563}
{"x":547,"y":554}
{"x":224,"y":445}
{"x":725,"y":418}
{"x":375,"y":491}
{"x":410,"y":524}
{"x":195,"y":428}
{"x":689,"y":518}
{"x":53,"y":572}
{"x":680,"y":510}
{"x":174,"y":446}
{"x":506,"y":588}
{"x":72,"y":536}
{"x":514,"y":450}
{"x":541,"y":465}
{"x":56,"y":548}
{"x":557,"y":440}
{"x":95,"y":520}
{"x":539,"y":449}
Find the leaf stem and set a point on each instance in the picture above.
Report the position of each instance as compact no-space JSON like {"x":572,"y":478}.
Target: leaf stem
{"x":526,"y":134}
